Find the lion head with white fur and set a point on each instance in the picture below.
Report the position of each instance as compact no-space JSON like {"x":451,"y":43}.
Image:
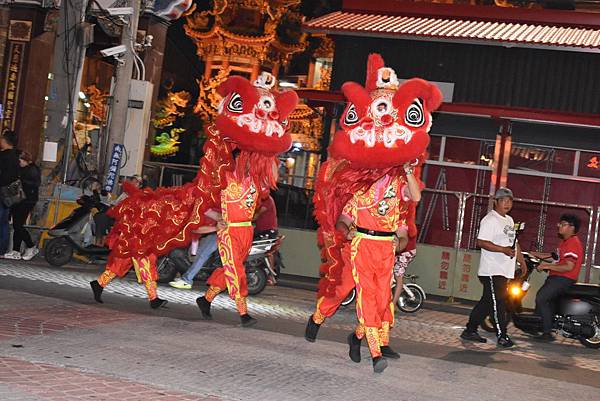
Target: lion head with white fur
{"x":385,"y":123}
{"x":254,"y":115}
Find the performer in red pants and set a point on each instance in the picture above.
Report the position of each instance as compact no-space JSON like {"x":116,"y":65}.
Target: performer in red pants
{"x":383,"y":137}
{"x":145,"y":268}
{"x":234,"y":238}
{"x":371,"y":220}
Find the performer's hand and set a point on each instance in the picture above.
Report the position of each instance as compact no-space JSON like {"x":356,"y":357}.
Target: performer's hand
{"x":221,"y":224}
{"x":408,"y":168}
{"x":351,"y":233}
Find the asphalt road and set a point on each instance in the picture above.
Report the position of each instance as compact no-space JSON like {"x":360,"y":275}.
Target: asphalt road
{"x":49,"y":314}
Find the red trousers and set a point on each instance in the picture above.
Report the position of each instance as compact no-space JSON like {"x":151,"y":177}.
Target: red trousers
{"x":145,"y":268}
{"x":234,"y":245}
{"x":327,"y":306}
{"x":372,"y":261}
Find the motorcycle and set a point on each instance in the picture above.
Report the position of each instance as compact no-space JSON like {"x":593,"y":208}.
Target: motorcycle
{"x":411,"y":298}
{"x":259,"y":266}
{"x":577,"y":312}
{"x":73,"y":233}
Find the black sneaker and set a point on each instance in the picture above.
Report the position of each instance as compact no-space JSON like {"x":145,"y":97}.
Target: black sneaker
{"x":388,"y":352}
{"x":312,"y":329}
{"x":248,"y":320}
{"x":379,"y":364}
{"x":472,"y":336}
{"x":204,"y":306}
{"x":354,"y":343}
{"x":505,"y":341}
{"x":97,"y":289}
{"x":545,"y":337}
{"x":158,"y":303}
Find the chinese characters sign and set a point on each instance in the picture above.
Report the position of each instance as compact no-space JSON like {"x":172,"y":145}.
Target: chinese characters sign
{"x":444,"y":267}
{"x":115,"y":165}
{"x":13,"y":80}
{"x":465,"y":275}
{"x":594,"y":163}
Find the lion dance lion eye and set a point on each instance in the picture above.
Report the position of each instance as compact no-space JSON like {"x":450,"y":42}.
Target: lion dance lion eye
{"x":351,"y":117}
{"x":235,"y":104}
{"x":415,"y":116}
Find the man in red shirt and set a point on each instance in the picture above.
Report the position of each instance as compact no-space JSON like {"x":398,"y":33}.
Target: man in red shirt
{"x":266,"y":219}
{"x":562,"y":274}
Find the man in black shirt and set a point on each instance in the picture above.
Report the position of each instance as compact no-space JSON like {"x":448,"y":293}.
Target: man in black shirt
{"x":9,"y":172}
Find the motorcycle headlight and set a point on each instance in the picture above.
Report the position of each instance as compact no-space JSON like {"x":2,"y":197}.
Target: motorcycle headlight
{"x":515,"y":290}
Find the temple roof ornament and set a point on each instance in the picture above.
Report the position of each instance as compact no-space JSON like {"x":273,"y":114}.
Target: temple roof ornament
{"x":247,"y":32}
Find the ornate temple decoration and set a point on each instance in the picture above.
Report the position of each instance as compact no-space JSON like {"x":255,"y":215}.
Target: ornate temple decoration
{"x":170,"y":108}
{"x":242,"y":37}
{"x":167,"y":143}
{"x":306,"y":126}
{"x":97,"y":101}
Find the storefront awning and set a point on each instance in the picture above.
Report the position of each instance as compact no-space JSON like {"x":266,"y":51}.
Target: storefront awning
{"x":457,"y":29}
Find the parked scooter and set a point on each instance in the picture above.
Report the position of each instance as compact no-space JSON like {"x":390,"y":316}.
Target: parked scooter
{"x":577,"y":312}
{"x":70,"y":234}
{"x":259,"y":269}
{"x":411,"y":298}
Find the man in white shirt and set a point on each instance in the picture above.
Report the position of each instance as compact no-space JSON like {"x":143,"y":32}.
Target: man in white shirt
{"x":497,"y":240}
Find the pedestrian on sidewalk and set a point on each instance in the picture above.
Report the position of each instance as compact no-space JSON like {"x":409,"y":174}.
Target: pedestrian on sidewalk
{"x":31,"y":180}
{"x":497,"y":240}
{"x":9,"y":173}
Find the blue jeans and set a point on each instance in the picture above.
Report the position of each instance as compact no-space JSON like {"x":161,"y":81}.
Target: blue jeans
{"x":206,"y":247}
{"x":4,"y":228}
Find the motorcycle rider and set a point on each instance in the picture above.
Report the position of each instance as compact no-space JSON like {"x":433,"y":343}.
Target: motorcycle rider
{"x":497,"y":240}
{"x":563,"y":274}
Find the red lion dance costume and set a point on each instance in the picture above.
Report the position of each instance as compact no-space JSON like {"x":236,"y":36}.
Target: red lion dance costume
{"x":383,"y":128}
{"x":252,"y":125}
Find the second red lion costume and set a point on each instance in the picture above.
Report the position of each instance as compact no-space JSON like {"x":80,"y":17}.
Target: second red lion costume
{"x":385,"y":126}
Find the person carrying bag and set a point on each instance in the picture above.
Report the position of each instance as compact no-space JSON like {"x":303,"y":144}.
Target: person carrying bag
{"x":9,"y":174}
{"x":12,"y":194}
{"x":30,"y":178}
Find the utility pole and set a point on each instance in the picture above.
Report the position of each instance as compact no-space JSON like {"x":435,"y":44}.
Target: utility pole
{"x":66,"y":77}
{"x":120,"y":101}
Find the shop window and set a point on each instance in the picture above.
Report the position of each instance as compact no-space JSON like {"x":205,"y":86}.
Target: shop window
{"x":468,"y":151}
{"x":541,"y":159}
{"x":434,"y":149}
{"x":589,"y":165}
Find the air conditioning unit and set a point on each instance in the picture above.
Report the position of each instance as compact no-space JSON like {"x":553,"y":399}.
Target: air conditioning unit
{"x":138,"y":122}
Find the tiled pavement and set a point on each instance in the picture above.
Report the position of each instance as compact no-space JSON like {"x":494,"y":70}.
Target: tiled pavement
{"x":23,"y":380}
{"x":52,"y":349}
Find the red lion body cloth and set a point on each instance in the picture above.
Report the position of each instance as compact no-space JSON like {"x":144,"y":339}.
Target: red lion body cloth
{"x":252,"y":124}
{"x":384,"y":131}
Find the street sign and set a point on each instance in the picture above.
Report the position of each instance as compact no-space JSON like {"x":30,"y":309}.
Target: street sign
{"x":113,"y":169}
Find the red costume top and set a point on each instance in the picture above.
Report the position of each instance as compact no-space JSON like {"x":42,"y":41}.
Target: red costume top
{"x":238,"y":199}
{"x":379,"y":208}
